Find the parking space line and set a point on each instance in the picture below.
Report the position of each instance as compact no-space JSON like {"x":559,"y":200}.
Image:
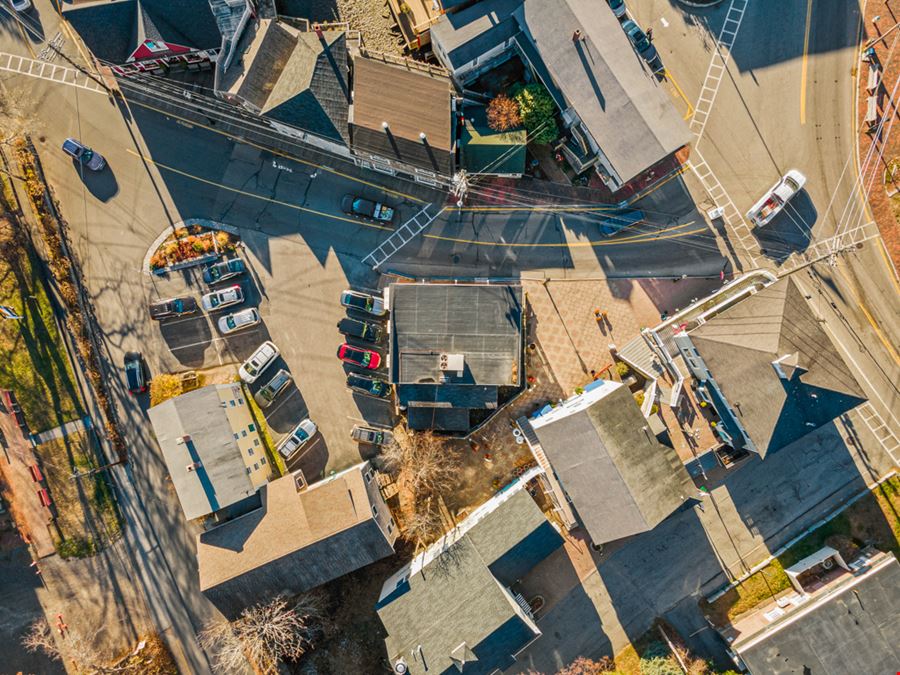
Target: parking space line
{"x":196,"y":344}
{"x":246,"y":193}
{"x":268,"y":413}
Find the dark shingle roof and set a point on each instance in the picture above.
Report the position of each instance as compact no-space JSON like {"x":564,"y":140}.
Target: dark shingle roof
{"x":620,"y":479}
{"x":411,"y":101}
{"x":739,"y":346}
{"x":297,"y":78}
{"x":624,"y":108}
{"x":455,"y":594}
{"x":854,"y":631}
{"x":295,"y":542}
{"x":113,"y":30}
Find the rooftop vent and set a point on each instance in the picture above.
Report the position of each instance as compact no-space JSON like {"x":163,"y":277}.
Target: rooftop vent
{"x":452,"y":362}
{"x":400,"y":667}
{"x":193,"y":467}
{"x":181,"y":440}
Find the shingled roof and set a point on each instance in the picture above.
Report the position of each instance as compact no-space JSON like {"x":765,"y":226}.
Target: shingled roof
{"x":740,"y":347}
{"x":451,"y":607}
{"x":620,"y":479}
{"x":296,"y":77}
{"x":300,"y":539}
{"x":114,"y":30}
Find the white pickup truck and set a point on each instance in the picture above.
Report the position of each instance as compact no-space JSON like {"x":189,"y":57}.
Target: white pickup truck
{"x":775,"y":199}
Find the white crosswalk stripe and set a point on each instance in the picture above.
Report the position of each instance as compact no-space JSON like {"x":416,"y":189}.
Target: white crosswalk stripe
{"x":880,"y":430}
{"x":401,"y":236}
{"x":48,"y":71}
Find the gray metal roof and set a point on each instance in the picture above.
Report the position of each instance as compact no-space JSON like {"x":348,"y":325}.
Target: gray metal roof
{"x":475,"y":30}
{"x":221,"y":479}
{"x":621,"y":480}
{"x":625,"y":109}
{"x":458,"y":597}
{"x":113,"y":30}
{"x":481,"y":322}
{"x":739,"y":346}
{"x":856,"y":630}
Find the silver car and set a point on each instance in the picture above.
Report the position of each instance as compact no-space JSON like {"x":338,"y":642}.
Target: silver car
{"x":262,"y":358}
{"x":222,"y":298}
{"x":85,"y":156}
{"x":270,"y":391}
{"x":297,"y":438}
{"x":232,"y":323}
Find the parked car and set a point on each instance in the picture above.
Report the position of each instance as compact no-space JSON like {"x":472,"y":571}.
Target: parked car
{"x":297,"y":438}
{"x":640,"y":41}
{"x":270,"y":391}
{"x":368,"y":385}
{"x":135,"y":378}
{"x":371,"y":436}
{"x":262,"y":358}
{"x":232,"y":323}
{"x":172,"y":307}
{"x":85,"y":156}
{"x":774,"y":200}
{"x":223,"y":270}
{"x":367,"y":209}
{"x":364,"y":302}
{"x":359,"y":356}
{"x":21,"y":5}
{"x":222,"y":298}
{"x":618,"y":7}
{"x":13,"y":407}
{"x":364,"y":330}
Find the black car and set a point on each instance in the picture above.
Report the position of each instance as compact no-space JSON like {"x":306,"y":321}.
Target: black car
{"x":367,"y":209}
{"x":172,"y":307}
{"x":368,"y":386}
{"x":364,"y":330}
{"x":134,"y":373}
{"x":222,"y":270}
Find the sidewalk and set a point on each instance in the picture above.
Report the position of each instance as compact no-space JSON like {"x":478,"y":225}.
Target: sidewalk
{"x":884,"y":195}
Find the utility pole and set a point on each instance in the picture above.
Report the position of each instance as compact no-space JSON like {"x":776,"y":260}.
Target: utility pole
{"x":459,"y":187}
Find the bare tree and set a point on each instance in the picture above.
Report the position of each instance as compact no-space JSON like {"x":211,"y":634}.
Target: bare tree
{"x":423,"y":525}
{"x":72,"y":648}
{"x":265,"y":634}
{"x":424,"y":464}
{"x":585,"y":666}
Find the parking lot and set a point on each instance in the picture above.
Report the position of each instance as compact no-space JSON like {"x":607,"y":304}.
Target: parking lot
{"x":304,"y":328}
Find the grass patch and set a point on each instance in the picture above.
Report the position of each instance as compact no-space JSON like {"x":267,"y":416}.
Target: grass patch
{"x":872,"y":520}
{"x":87,"y":518}
{"x":259,"y":419}
{"x":33,"y":361}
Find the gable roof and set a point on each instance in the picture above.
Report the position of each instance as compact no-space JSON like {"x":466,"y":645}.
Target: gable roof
{"x":411,"y":101}
{"x":114,"y":30}
{"x":851,"y":630}
{"x":298,"y":540}
{"x":451,"y":604}
{"x":620,"y":479}
{"x":623,"y":106}
{"x":297,"y":78}
{"x":739,"y":346}
{"x":221,"y":479}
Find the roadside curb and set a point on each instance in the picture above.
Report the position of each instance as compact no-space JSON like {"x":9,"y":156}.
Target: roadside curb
{"x":700,"y":5}
{"x":188,"y":222}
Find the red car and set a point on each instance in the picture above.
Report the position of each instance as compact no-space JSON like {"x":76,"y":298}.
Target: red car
{"x":358,"y":356}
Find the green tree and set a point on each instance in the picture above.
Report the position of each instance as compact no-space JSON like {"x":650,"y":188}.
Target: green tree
{"x":538,"y":112}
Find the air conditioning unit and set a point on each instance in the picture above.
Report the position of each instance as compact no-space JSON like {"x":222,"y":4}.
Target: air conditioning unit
{"x":452,"y":362}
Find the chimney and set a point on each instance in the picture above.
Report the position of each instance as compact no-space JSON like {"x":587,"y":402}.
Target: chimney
{"x":318,"y":29}
{"x":385,"y":126}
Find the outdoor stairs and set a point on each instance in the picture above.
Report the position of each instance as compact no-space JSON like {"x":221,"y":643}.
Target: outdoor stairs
{"x":401,"y":236}
{"x":638,"y":355}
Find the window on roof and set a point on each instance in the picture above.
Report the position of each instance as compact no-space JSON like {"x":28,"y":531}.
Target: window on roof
{"x":375,"y":511}
{"x":243,"y":433}
{"x":157,"y":46}
{"x":262,"y":460}
{"x":250,"y":451}
{"x":251,"y":427}
{"x":256,"y":442}
{"x":231,"y":403}
{"x":236,"y":436}
{"x":256,"y":466}
{"x":248,"y":470}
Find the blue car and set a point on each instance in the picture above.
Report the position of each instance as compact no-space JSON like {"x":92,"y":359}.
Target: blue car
{"x":222,"y":270}
{"x":85,"y":156}
{"x":640,"y":41}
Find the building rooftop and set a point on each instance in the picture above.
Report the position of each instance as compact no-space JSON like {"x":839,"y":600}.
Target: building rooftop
{"x":741,"y":346}
{"x":301,"y":538}
{"x":208,"y":465}
{"x":491,"y":152}
{"x":114,"y":30}
{"x":847,"y":625}
{"x":451,"y":606}
{"x":620,"y":479}
{"x":295,"y":77}
{"x":469,"y":33}
{"x":625,"y":109}
{"x":412,"y":101}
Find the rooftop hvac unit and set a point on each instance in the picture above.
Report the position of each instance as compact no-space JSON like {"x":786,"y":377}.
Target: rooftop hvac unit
{"x":455,"y":362}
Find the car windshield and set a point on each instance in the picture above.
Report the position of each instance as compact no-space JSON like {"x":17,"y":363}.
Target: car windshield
{"x":358,"y":204}
{"x":215,"y":272}
{"x":86,"y":155}
{"x":366,"y":357}
{"x":178,"y":305}
{"x":230,"y":322}
{"x":214,"y":300}
{"x":792,"y":184}
{"x":301,"y":434}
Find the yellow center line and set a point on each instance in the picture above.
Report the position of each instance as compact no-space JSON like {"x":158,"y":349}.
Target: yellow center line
{"x":636,"y":239}
{"x":871,"y":319}
{"x":805,"y":63}
{"x":277,"y":153}
{"x":246,"y":193}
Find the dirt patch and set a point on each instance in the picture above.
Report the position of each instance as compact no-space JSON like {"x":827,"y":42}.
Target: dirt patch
{"x":371,"y":18}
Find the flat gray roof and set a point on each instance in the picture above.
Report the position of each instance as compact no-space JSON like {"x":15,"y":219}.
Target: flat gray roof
{"x":221,"y":478}
{"x":475,"y":30}
{"x":481,"y":322}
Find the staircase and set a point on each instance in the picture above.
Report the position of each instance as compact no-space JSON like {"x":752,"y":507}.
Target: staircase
{"x":639,"y":356}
